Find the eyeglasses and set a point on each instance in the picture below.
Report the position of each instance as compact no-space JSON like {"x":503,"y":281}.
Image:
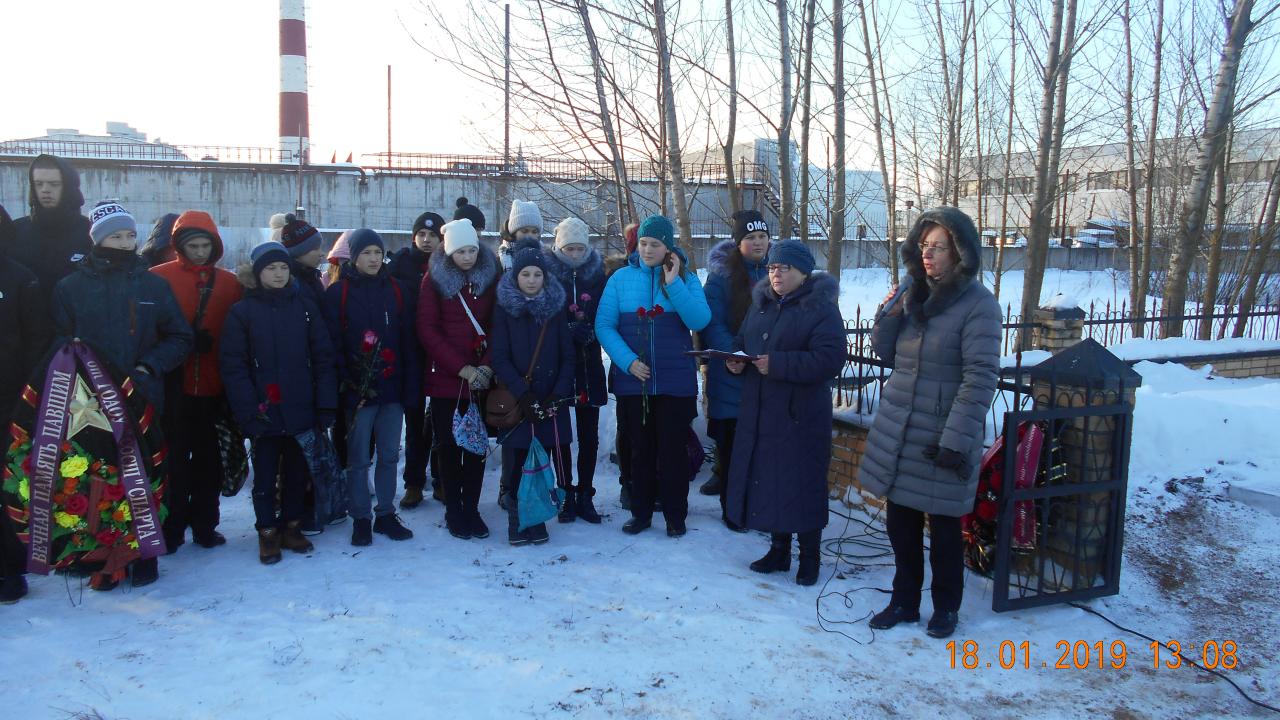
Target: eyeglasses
{"x":935,"y":249}
{"x":778,"y":269}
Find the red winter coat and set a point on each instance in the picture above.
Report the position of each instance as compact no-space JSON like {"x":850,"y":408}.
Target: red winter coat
{"x":448,"y":337}
{"x":200,"y":375}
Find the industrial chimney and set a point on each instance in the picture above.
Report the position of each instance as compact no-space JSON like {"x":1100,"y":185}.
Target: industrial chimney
{"x":295,"y":128}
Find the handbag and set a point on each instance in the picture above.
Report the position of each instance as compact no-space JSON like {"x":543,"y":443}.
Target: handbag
{"x":501,"y":408}
{"x":232,"y":453}
{"x":539,"y":497}
{"x":468,"y":430}
{"x":328,"y":481}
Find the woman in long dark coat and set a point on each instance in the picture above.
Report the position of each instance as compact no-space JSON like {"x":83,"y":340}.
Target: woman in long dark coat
{"x":940,"y":331}
{"x":782,"y":445}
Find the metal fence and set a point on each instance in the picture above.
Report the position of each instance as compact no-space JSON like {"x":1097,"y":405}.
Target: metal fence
{"x":147,"y":151}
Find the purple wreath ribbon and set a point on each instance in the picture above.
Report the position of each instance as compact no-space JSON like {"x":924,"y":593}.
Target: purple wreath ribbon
{"x":46,"y":452}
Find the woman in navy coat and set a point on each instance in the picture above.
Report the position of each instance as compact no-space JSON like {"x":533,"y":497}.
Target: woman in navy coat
{"x":530,"y":299}
{"x":782,"y":446}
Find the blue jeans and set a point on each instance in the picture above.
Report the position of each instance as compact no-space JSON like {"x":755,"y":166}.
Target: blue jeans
{"x":383,"y":423}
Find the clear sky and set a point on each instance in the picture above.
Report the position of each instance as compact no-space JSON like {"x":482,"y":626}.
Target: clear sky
{"x":195,"y":72}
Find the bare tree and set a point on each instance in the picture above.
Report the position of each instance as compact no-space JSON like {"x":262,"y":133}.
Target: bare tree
{"x":672,"y":127}
{"x":1195,"y":206}
{"x":786,"y":183}
{"x":735,"y":193}
{"x":625,"y":204}
{"x":890,"y":191}
{"x":1140,"y":285}
{"x":1008,"y":147}
{"x":835,"y":235}
{"x":1131,"y":167}
{"x":806,"y":115}
{"x":1264,"y":236}
{"x":1213,"y":269}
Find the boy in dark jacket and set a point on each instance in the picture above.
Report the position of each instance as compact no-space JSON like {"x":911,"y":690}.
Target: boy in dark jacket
{"x":277,"y":362}
{"x":580,"y":271}
{"x":22,"y":321}
{"x":533,"y":357}
{"x":306,"y":251}
{"x":128,"y":314}
{"x":409,"y":266}
{"x":371,"y":322}
{"x":54,"y":238}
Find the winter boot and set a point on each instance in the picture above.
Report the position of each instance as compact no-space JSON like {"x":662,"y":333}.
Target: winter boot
{"x":269,"y":545}
{"x":479,"y":530}
{"x":713,"y":486}
{"x":12,"y":589}
{"x":412,"y":498}
{"x":514,"y":535}
{"x":635,"y":526}
{"x":778,"y":559}
{"x":891,"y":616}
{"x":538,"y":534}
{"x":569,"y":509}
{"x":208,"y":538}
{"x":292,"y":539}
{"x":390,"y":526}
{"x":361,"y":532}
{"x":455,"y":517}
{"x":943,"y":623}
{"x":145,"y":572}
{"x":810,"y":557}
{"x":586,"y":508}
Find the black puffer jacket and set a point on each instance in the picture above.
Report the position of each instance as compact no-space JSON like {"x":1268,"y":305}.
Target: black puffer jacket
{"x":23,"y":323}
{"x":50,"y":242}
{"x":943,"y":341}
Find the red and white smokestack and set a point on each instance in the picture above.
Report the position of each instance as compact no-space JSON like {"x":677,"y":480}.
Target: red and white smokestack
{"x":295,"y":129}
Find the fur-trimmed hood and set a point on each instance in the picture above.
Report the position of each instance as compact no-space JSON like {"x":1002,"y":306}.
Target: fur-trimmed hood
{"x":718,"y":258}
{"x":590,"y":270}
{"x":819,"y":287}
{"x":924,"y":299}
{"x":542,"y":306}
{"x":448,"y":280}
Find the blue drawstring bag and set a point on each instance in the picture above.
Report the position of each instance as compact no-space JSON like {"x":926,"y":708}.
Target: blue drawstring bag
{"x":539,"y":497}
{"x":469,"y":432}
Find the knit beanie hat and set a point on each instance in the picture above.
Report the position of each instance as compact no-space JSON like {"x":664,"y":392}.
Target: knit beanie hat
{"x":191,"y":225}
{"x":265,"y":254}
{"x":572,"y":231}
{"x":459,"y":234}
{"x":746,"y":222}
{"x":526,"y":257}
{"x":109,"y":217}
{"x":658,"y":228}
{"x":299,"y":237}
{"x":428,"y":221}
{"x":341,"y":250}
{"x":361,"y":239}
{"x":524,"y":214}
{"x":467,"y":211}
{"x":794,"y":253}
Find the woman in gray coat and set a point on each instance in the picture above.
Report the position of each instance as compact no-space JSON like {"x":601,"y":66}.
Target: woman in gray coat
{"x":940,"y":331}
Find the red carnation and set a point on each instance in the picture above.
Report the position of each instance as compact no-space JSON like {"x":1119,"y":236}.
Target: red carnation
{"x":114,"y":493}
{"x":658,"y":310}
{"x":107,"y":537}
{"x":582,"y":398}
{"x":77,"y":504}
{"x":584,"y":297}
{"x":26,"y":465}
{"x":273,"y":394}
{"x":388,"y":371}
{"x":369,"y":341}
{"x":640,"y":312}
{"x":388,"y":356}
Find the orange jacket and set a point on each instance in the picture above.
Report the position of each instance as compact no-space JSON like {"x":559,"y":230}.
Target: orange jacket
{"x":200,"y":370}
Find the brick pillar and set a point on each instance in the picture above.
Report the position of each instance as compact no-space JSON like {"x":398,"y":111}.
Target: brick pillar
{"x":1057,"y":328}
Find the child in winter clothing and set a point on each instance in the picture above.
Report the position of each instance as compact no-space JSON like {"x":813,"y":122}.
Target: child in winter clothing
{"x":371,"y":322}
{"x":455,"y":311}
{"x":306,"y":250}
{"x":128,"y":314}
{"x":338,"y":254}
{"x":533,"y":357}
{"x":277,"y":362}
{"x":409,"y":266}
{"x":643,"y":323}
{"x":205,"y":295}
{"x":580,"y":270}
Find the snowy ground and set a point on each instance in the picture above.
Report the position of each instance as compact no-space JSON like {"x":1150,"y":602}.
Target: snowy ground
{"x":600,"y":624}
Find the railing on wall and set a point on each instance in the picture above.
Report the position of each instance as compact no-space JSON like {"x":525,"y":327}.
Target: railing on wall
{"x":146,"y":151}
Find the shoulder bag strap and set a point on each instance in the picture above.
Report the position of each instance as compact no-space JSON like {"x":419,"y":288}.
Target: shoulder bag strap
{"x":537,"y":349}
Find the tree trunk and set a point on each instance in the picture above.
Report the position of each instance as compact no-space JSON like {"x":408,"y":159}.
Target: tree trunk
{"x":1213,"y":268}
{"x":785,"y":180}
{"x":890,"y":242}
{"x":1008,"y":147}
{"x":948,"y":103}
{"x":835,"y":239}
{"x":1149,"y":172}
{"x":891,"y":192}
{"x":1195,"y":206}
{"x":806,"y":115}
{"x":606,"y":120}
{"x":735,"y":192}
{"x":977,"y":124}
{"x":1048,"y":150}
{"x":672,"y":131}
{"x":1259,"y":251}
{"x":1131,"y":169}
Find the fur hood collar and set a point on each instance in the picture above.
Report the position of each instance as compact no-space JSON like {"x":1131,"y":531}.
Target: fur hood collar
{"x":924,"y":300}
{"x":541,"y":307}
{"x":448,"y":280}
{"x":590,"y":270}
{"x":820,"y":287}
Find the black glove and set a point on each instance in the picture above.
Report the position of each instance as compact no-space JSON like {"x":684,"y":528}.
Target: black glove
{"x":583,"y":332}
{"x":204,"y":342}
{"x":945,"y":458}
{"x":326,"y":418}
{"x":529,"y":406}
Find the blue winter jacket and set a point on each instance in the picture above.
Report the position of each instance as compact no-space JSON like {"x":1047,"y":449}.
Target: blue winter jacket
{"x":357,"y":303}
{"x":277,"y":337}
{"x":724,"y":389}
{"x":659,"y":341}
{"x":517,"y":322}
{"x":586,"y":280}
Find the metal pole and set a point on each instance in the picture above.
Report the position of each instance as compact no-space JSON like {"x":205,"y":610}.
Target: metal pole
{"x":300,"y":158}
{"x":388,"y":116}
{"x":506,"y":91}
